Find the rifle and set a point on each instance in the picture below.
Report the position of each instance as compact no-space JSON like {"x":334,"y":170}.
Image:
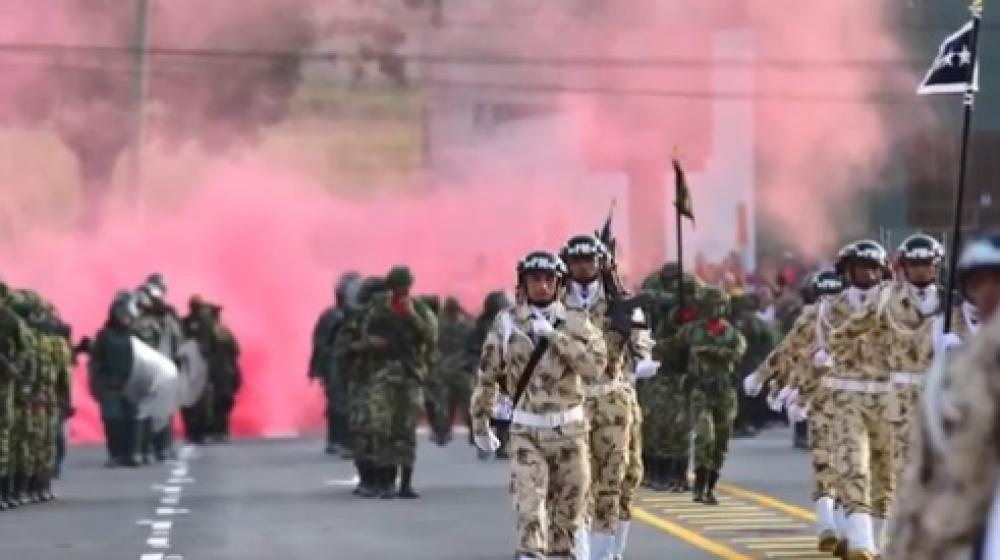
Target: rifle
{"x":622,"y":304}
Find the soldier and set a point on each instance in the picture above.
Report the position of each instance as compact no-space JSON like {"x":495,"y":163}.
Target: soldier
{"x":222,"y":355}
{"x":610,"y":397}
{"x":665,"y":398}
{"x":54,"y":362}
{"x":400,"y":333}
{"x":947,"y":507}
{"x":493,"y":304}
{"x":546,"y":353}
{"x":12,"y":345}
{"x":752,"y":412}
{"x":197,"y":326}
{"x":351,"y":360}
{"x":159,"y":327}
{"x":109,"y":368}
{"x":322,"y":366}
{"x":454,"y":380}
{"x":714,"y":348}
{"x":28,"y":436}
{"x":791,"y":364}
{"x":860,"y":391}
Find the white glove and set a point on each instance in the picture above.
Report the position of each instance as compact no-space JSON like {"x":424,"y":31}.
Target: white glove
{"x":487,"y":442}
{"x":797,"y":413}
{"x":951,"y":340}
{"x":778,"y":403}
{"x":751,"y":386}
{"x":822,"y":358}
{"x":542,"y":327}
{"x":504,"y":407}
{"x":646,"y":368}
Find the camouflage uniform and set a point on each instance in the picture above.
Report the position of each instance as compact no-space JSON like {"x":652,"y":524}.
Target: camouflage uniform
{"x":610,"y":407}
{"x":398,"y":373}
{"x":950,"y":480}
{"x":550,"y":472}
{"x":13,"y":343}
{"x":714,"y":348}
{"x":352,"y":362}
{"x":109,"y":368}
{"x":760,"y":342}
{"x":160,"y":329}
{"x":452,"y":377}
{"x":665,"y":398}
{"x":322,"y":364}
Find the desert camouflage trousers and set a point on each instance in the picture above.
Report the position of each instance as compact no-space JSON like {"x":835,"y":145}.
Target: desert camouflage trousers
{"x":902,"y":415}
{"x":823,"y":444}
{"x":864,"y":452}
{"x":634,"y":466}
{"x":609,"y":417}
{"x":549,"y":481}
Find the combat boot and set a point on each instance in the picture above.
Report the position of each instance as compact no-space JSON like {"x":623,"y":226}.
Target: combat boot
{"x":369,"y":481}
{"x":4,"y":506}
{"x":700,"y":478}
{"x":682,"y":473}
{"x":713,"y":477}
{"x":387,"y":488}
{"x":7,"y":492}
{"x":406,"y":484}
{"x":45,"y":493}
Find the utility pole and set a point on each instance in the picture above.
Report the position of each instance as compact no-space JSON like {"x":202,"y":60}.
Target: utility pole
{"x":140,"y":84}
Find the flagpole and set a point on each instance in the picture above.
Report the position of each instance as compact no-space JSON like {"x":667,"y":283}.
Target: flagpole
{"x":680,"y":246}
{"x":956,"y":231}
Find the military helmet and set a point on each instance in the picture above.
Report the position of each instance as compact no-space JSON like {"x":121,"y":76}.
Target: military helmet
{"x":921,"y":248}
{"x":865,"y":250}
{"x":827,"y":283}
{"x":347,"y":288}
{"x":495,"y":302}
{"x":582,"y":246}
{"x":124,"y":305}
{"x":25,"y":302}
{"x":714,"y":301}
{"x":156,"y":286}
{"x":980,"y":253}
{"x":541,"y":261}
{"x":399,"y":277}
{"x":370,"y":287}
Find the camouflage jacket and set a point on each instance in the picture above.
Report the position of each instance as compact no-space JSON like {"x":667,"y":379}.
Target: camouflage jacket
{"x":618,"y":349}
{"x":411,"y":337}
{"x":668,"y":350}
{"x":12,"y":344}
{"x":793,"y":352}
{"x":577,"y":354}
{"x":759,"y":339}
{"x":953,"y":472}
{"x":161,"y":331}
{"x":852,"y":343}
{"x":348,"y":355}
{"x":714,"y":350}
{"x":450,"y":358}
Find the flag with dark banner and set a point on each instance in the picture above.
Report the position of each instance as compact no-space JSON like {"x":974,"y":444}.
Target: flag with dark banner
{"x":683,"y":197}
{"x":954,"y":66}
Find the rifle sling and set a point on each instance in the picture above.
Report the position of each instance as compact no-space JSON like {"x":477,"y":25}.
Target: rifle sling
{"x":529,"y":368}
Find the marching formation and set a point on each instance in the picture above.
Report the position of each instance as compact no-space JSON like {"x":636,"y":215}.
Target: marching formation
{"x":35,"y":361}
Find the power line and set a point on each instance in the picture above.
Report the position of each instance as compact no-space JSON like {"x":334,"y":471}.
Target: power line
{"x":53,"y":49}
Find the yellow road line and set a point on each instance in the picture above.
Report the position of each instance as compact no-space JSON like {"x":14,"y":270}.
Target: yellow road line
{"x":770,"y":502}
{"x":690,"y":537}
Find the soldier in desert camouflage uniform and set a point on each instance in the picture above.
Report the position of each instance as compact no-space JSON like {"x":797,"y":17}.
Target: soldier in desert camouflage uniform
{"x":610,"y":398}
{"x":550,"y":469}
{"x":943,"y":509}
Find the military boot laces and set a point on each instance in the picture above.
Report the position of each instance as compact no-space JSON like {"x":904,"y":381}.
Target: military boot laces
{"x":700,"y":478}
{"x":713,"y":477}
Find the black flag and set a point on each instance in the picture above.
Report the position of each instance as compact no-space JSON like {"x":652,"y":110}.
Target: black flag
{"x":683,"y":196}
{"x":952,"y":71}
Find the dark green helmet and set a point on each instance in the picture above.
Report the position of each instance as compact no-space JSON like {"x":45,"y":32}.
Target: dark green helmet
{"x":123,"y":306}
{"x":399,"y":277}
{"x":713,"y":301}
{"x":371,"y":287}
{"x":495,"y":302}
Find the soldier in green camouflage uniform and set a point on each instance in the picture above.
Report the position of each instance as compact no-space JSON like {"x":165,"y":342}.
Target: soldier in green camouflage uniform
{"x":55,"y":357}
{"x":12,"y":353}
{"x":159,"y":327}
{"x":29,"y":432}
{"x":322,"y":365}
{"x":665,"y":398}
{"x":714,"y":348}
{"x":453,"y":379}
{"x":109,"y":368}
{"x":493,"y":304}
{"x":351,"y":361}
{"x":752,"y":411}
{"x":401,"y":334}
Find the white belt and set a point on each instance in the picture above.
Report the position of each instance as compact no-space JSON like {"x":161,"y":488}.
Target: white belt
{"x":601,"y":389}
{"x":550,"y":419}
{"x":906,"y":378}
{"x":856,"y":385}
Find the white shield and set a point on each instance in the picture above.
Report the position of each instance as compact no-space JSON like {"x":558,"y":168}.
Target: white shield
{"x":193,"y":371}
{"x":153,"y":385}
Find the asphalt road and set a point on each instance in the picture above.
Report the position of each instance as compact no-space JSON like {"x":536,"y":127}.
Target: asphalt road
{"x":284,"y":499}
